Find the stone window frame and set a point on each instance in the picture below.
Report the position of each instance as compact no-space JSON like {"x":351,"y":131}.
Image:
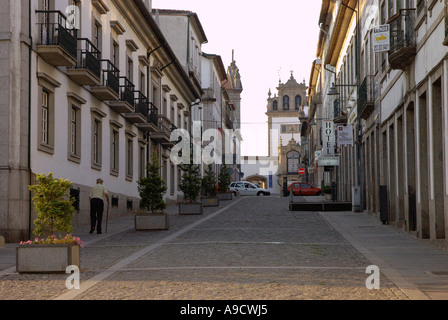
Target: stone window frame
{"x":130,"y":155}
{"x":75,"y":103}
{"x":47,"y":85}
{"x":115,"y":147}
{"x":97,"y":119}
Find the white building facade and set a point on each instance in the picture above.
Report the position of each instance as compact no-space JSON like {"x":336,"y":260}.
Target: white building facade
{"x":101,"y":91}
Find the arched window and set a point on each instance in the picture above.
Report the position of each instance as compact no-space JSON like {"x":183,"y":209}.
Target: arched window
{"x":275,"y":105}
{"x":293,"y":162}
{"x":286,"y":103}
{"x":298,"y":102}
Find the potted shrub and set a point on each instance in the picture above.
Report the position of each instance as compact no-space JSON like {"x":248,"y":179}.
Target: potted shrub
{"x":190,"y":185}
{"x":224,"y":184}
{"x":59,"y":249}
{"x":209,"y":188}
{"x":152,"y":188}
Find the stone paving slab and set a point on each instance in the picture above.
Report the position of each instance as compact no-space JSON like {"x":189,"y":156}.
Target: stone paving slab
{"x":248,"y":248}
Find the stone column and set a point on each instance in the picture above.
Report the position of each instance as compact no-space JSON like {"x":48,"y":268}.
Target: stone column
{"x":14,"y":120}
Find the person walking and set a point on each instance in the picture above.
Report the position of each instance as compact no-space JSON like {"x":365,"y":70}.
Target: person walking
{"x":96,"y":198}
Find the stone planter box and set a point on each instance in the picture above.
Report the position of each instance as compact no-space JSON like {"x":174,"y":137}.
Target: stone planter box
{"x":194,"y":208}
{"x":150,"y":222}
{"x":225,"y":196}
{"x":47,"y":258}
{"x":210,"y":202}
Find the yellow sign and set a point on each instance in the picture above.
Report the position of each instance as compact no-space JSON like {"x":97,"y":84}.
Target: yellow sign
{"x":381,"y":38}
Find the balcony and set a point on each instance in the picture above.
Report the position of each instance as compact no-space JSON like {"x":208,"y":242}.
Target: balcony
{"x":126,"y":100}
{"x":366,"y":99}
{"x":87,"y":71}
{"x":109,"y":86}
{"x":163,"y":134}
{"x":402,"y":39}
{"x":140,"y":114}
{"x":57,"y":44}
{"x":340,"y":116}
{"x":152,"y":120}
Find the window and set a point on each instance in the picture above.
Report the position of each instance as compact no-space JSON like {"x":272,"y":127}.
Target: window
{"x":96,"y":142}
{"x":45,"y":110}
{"x":298,"y":102}
{"x":115,"y":54}
{"x":172,"y":179}
{"x":129,"y":158}
{"x":142,"y":82}
{"x":275,"y":105}
{"x":129,"y":69}
{"x":75,"y":133}
{"x":141,"y":162}
{"x":293,"y":162}
{"x":286,"y":103}
{"x":284,"y":129}
{"x":114,"y":152}
{"x":96,"y":36}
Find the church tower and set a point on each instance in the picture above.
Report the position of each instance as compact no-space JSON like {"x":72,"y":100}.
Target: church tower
{"x":286,"y":111}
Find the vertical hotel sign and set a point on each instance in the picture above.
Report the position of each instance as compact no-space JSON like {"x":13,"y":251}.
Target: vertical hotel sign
{"x":381,"y":38}
{"x":329,"y":139}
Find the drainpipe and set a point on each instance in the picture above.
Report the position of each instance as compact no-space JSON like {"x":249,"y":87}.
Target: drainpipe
{"x":30,"y":51}
{"x":148,"y":80}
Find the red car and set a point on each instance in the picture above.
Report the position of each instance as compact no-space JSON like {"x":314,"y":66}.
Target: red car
{"x":304,"y":189}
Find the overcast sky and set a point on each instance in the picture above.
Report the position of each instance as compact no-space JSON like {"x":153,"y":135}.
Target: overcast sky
{"x":270,"y":39}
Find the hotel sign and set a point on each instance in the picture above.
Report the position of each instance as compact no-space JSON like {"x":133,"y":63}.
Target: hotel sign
{"x":328,"y":161}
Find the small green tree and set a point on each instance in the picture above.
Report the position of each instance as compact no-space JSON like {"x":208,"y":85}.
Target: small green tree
{"x":191,"y":182}
{"x":209,"y":182}
{"x":53,"y":205}
{"x":224,"y":179}
{"x":152,"y":188}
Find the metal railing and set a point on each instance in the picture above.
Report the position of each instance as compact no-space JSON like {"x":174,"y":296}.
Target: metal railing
{"x":146,"y":108}
{"x":53,"y":31}
{"x":153,"y":114}
{"x":89,"y":57}
{"x":366,"y":93}
{"x":110,"y":76}
{"x":127,"y":91}
{"x":402,"y":30}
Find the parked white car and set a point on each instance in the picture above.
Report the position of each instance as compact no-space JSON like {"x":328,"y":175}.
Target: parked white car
{"x":248,"y":189}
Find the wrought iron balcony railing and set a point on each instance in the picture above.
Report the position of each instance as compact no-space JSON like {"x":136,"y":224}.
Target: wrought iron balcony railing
{"x":402,"y":39}
{"x":110,"y":76}
{"x":54,"y":32}
{"x":127,"y":89}
{"x":89,"y":57}
{"x":366,"y":98}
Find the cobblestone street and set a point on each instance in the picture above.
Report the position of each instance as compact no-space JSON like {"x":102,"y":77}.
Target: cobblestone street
{"x":248,"y":248}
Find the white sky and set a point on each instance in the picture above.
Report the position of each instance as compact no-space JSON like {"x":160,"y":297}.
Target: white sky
{"x":270,"y":39}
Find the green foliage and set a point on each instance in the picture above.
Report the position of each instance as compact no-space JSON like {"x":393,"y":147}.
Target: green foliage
{"x":224,"y":179}
{"x":191,"y":182}
{"x":209,"y":182}
{"x":153,"y":187}
{"x":53,"y":205}
{"x":326,"y":190}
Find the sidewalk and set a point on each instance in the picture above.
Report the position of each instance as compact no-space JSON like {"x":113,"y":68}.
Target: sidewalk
{"x":114,"y":226}
{"x":417,"y":268}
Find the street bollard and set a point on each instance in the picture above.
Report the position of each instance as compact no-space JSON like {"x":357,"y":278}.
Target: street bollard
{"x":2,"y":241}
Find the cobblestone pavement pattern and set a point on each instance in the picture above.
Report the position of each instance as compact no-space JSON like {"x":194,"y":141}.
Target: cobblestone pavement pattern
{"x":256,"y":249}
